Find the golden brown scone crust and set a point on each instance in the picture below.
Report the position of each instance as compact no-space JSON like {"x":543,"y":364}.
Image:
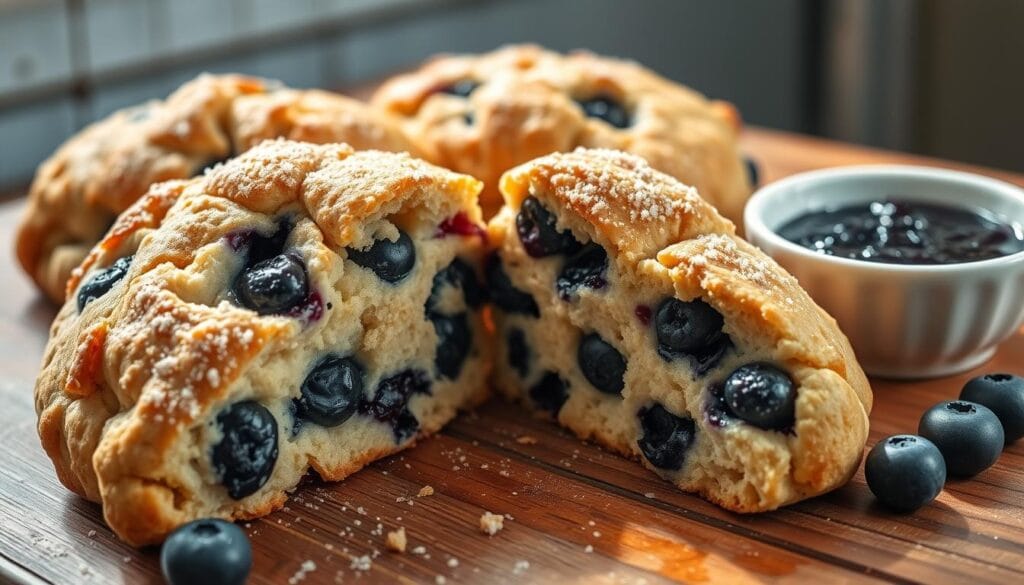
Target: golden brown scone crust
{"x":662,"y":241}
{"x":129,"y":385}
{"x":525,"y":107}
{"x":99,"y":172}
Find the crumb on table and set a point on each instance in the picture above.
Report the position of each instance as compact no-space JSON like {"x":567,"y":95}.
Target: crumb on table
{"x":526,"y":440}
{"x":425,"y":491}
{"x":491,"y":524}
{"x":396,"y":540}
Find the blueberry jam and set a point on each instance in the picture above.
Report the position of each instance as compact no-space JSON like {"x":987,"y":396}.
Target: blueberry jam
{"x":538,"y":233}
{"x":460,"y":225}
{"x":390,"y":403}
{"x":606,"y":108}
{"x":584,"y":269}
{"x":905,"y":232}
{"x":244,"y":457}
{"x":101,"y":282}
{"x":503,"y":293}
{"x":550,"y":393}
{"x":666,"y":437}
{"x":390,"y":260}
{"x":692,"y":330}
{"x":331,"y":392}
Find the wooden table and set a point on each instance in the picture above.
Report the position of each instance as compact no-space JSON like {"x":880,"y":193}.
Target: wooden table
{"x":576,"y":514}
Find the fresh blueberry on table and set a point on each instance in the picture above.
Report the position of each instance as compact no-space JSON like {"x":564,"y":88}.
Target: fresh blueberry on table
{"x":102,"y":281}
{"x":273,"y":286}
{"x":550,"y":393}
{"x":584,"y":269}
{"x":905,"y":472}
{"x":206,"y":552}
{"x":666,"y":438}
{"x":606,"y":108}
{"x":762,"y":395}
{"x":602,"y":365}
{"x":503,"y":293}
{"x":538,"y":233}
{"x":968,"y":434}
{"x":390,"y":260}
{"x":244,"y":457}
{"x":331,"y":392}
{"x":1003,"y":394}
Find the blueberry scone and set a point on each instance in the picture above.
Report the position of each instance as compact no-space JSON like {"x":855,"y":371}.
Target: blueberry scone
{"x":98,"y":173}
{"x":629,"y":310}
{"x":297,"y":307}
{"x":484,"y":114}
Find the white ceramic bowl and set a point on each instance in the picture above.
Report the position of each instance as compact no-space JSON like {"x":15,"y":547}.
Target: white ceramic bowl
{"x":904,"y":321}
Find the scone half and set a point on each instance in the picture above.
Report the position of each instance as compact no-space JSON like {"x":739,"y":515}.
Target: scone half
{"x":297,"y":307}
{"x":629,"y":310}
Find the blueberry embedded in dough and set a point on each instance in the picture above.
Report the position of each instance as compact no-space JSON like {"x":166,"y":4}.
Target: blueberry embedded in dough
{"x":665,"y":438}
{"x":762,"y":395}
{"x":390,"y":260}
{"x":454,"y":339}
{"x":692,"y":330}
{"x":550,"y":393}
{"x":607,"y":108}
{"x":585,"y":269}
{"x":246,"y":453}
{"x":602,"y":365}
{"x":503,"y":293}
{"x":537,"y":230}
{"x":461,"y":276}
{"x":390,"y":402}
{"x":102,"y":281}
{"x":273,"y":286}
{"x":462,"y":88}
{"x":518,"y":352}
{"x":331,"y":392}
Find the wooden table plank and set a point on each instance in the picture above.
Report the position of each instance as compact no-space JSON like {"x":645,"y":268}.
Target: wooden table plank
{"x":643,"y":530}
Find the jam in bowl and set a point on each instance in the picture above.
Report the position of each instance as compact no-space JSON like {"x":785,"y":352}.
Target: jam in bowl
{"x":903,"y":231}
{"x":922,"y":268}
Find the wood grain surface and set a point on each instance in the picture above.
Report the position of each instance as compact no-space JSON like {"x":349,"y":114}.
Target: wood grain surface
{"x":575,"y":514}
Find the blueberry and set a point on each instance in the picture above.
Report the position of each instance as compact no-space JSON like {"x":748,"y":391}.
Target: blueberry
{"x":258,"y":247}
{"x":1004,"y":395}
{"x":905,"y":472}
{"x":104,"y":280}
{"x":690,"y":329}
{"x":390,"y":261}
{"x":462,"y":88}
{"x":331,"y":391}
{"x":753,"y":174}
{"x":504,"y":294}
{"x":715,"y":409}
{"x":390,"y":403}
{"x":602,"y":365}
{"x":206,"y":552}
{"x":550,"y":393}
{"x":245,"y":456}
{"x":536,"y":228}
{"x":453,"y":341}
{"x":969,"y":435}
{"x":460,"y":275}
{"x":586,"y":268}
{"x":273,"y":286}
{"x":762,"y":395}
{"x":518,"y":352}
{"x":666,"y":437}
{"x":606,"y":108}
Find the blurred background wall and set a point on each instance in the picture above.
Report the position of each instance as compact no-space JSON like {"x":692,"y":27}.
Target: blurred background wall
{"x":939,"y":77}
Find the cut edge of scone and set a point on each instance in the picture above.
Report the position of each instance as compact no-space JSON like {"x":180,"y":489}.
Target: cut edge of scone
{"x":663,"y":242}
{"x":135,"y":384}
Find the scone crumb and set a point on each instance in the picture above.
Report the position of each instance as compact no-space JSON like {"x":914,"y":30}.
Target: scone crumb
{"x":526,"y":440}
{"x":425,"y":491}
{"x":396,"y":540}
{"x":305,"y":568}
{"x":491,"y":524}
{"x":362,"y":563}
{"x":419,"y":550}
{"x":520,"y":567}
